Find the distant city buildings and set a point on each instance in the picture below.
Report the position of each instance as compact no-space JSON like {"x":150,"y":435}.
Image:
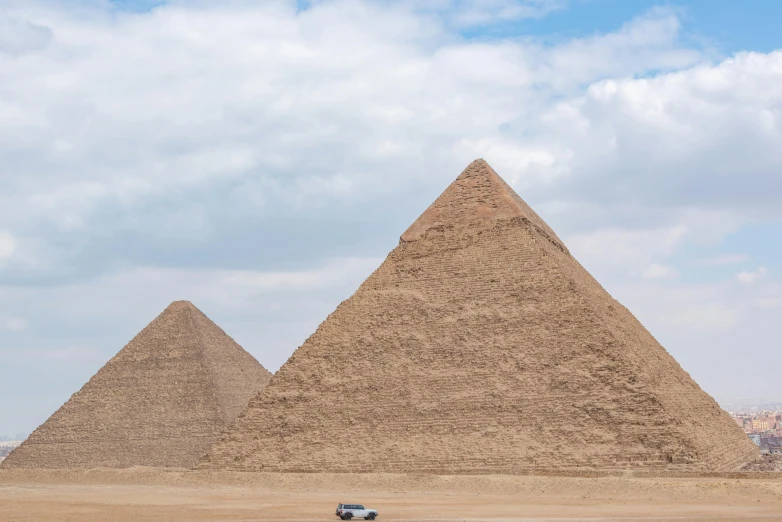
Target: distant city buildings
{"x":7,"y":446}
{"x":764,"y":428}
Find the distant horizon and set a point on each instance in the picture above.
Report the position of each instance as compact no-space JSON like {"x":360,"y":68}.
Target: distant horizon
{"x":20,"y":437}
{"x":727,"y":406}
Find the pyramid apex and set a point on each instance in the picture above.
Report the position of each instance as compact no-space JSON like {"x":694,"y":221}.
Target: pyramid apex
{"x":477,"y":195}
{"x":181,"y":305}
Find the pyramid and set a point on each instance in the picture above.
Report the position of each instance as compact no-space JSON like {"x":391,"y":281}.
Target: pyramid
{"x":161,"y":401}
{"x":480,"y":345}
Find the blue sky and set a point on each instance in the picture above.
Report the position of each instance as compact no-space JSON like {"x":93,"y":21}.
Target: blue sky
{"x":726,"y":26}
{"x":261,"y":158}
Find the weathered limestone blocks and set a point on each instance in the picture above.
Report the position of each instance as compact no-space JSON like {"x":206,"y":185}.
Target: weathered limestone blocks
{"x":480,"y":345}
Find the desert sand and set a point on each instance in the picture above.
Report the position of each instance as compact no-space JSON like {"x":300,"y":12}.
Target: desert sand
{"x":147,"y":494}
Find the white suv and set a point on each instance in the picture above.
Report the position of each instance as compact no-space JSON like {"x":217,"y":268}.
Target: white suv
{"x":348,"y":511}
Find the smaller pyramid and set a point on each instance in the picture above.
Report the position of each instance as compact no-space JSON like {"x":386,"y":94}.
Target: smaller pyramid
{"x":161,"y":401}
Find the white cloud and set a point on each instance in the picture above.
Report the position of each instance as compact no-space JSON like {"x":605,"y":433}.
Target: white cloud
{"x":135,"y":107}
{"x":14,"y":324}
{"x":269,"y":313}
{"x":655,"y":271}
{"x":748,"y":278}
{"x":7,"y":245}
{"x":333,"y":274}
{"x":74,"y":353}
{"x":722,"y":260}
{"x":470,"y":13}
{"x":681,"y":138}
{"x":237,"y":288}
{"x":680,"y":308}
{"x":703,"y":317}
{"x":651,"y":40}
{"x":632,"y":251}
{"x":19,"y":36}
{"x":768,"y":302}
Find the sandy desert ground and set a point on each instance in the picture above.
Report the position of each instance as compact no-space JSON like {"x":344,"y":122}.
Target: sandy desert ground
{"x":144,"y":494}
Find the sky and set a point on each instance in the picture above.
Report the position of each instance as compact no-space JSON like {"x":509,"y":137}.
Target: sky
{"x":260,"y":159}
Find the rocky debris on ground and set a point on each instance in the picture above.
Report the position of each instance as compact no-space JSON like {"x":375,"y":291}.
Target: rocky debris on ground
{"x":772,"y":462}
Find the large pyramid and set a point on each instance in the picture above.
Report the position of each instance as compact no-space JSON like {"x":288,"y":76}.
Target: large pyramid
{"x":480,"y":345}
{"x":161,"y":401}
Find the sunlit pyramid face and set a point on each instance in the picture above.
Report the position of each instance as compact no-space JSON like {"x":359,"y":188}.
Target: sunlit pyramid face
{"x":480,"y":345}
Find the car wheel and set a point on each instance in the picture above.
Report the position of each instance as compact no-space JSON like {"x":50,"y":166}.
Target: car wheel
{"x":371,"y":516}
{"x":348,"y":516}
